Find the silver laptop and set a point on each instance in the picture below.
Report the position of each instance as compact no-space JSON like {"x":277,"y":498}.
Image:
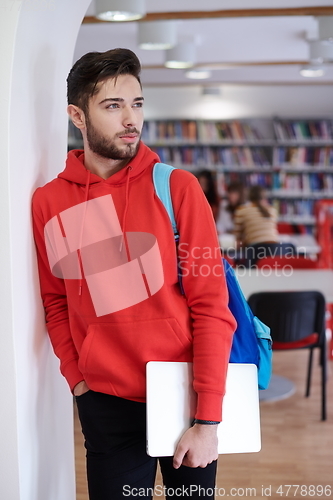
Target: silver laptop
{"x":171,"y":403}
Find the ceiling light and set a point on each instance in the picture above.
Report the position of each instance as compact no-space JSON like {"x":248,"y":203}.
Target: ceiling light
{"x":157,"y":35}
{"x":120,"y":10}
{"x":321,"y":50}
{"x":325,"y":27}
{"x":312,"y":71}
{"x":198,"y":74}
{"x":181,"y":56}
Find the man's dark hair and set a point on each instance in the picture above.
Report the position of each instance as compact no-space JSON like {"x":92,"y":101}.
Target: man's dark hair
{"x":95,"y":67}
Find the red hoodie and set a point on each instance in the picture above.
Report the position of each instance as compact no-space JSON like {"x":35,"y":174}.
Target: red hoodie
{"x":108,"y":274}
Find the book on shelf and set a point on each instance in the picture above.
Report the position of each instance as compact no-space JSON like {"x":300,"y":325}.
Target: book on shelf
{"x":224,"y":131}
{"x":303,"y":130}
{"x":294,"y":156}
{"x":213,"y":156}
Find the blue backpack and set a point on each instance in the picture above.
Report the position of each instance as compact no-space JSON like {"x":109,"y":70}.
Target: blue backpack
{"x":252,"y":342}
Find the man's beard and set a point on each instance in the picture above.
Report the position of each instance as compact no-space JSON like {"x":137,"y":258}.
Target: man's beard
{"x":106,"y":147}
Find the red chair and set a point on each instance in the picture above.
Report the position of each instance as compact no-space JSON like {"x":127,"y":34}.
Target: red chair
{"x":287,"y":228}
{"x":281,"y":262}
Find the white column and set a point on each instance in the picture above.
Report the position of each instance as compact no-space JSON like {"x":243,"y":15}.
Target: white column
{"x":37,"y":39}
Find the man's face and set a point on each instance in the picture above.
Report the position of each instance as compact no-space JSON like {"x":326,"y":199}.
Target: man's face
{"x":115,"y":118}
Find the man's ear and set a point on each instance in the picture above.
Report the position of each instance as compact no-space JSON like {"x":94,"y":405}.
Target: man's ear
{"x":77,"y":116}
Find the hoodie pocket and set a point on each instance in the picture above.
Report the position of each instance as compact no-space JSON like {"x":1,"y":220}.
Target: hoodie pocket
{"x":118,"y":352}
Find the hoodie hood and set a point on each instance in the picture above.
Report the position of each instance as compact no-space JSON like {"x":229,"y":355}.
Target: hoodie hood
{"x":76,"y":172}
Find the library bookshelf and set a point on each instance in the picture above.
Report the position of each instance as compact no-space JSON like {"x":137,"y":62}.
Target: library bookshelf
{"x":291,"y":158}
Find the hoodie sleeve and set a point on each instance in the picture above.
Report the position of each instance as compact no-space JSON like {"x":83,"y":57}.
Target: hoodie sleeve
{"x":54,"y":298}
{"x":206,"y":293}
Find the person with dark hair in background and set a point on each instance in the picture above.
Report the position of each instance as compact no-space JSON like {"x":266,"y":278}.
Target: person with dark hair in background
{"x":207,"y":181}
{"x":256,"y":221}
{"x":107,"y":265}
{"x":235,"y":197}
{"x":256,"y":227}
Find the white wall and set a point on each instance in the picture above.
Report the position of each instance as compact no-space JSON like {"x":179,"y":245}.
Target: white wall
{"x":9,"y":470}
{"x":36,"y":433}
{"x":240,"y":101}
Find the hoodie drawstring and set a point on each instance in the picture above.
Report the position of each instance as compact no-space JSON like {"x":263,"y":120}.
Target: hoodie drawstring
{"x":124,"y":237}
{"x":81,"y":230}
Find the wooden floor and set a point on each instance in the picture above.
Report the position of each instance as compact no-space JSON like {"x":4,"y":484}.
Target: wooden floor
{"x":297,"y":447}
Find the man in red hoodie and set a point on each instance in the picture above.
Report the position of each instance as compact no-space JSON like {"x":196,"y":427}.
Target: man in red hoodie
{"x":108,"y":273}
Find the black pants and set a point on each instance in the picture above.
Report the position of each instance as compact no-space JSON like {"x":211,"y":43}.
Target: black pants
{"x":118,"y":466}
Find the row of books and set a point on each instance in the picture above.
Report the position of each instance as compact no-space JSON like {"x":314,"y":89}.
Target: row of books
{"x":303,"y":130}
{"x":303,"y":183}
{"x":161,"y":131}
{"x":281,"y":183}
{"x":208,"y":131}
{"x":298,"y":156}
{"x":210,"y":156}
{"x":295,"y":208}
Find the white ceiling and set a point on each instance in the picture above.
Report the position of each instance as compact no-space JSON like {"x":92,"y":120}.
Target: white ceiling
{"x":237,"y":41}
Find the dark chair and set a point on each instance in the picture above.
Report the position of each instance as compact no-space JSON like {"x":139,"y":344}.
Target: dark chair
{"x":297,"y":321}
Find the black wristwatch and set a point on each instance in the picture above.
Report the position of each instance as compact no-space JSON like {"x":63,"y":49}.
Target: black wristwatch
{"x":204,"y":422}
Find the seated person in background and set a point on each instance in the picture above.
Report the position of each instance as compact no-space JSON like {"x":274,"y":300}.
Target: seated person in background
{"x":235,"y":197}
{"x":256,"y":223}
{"x":207,"y":181}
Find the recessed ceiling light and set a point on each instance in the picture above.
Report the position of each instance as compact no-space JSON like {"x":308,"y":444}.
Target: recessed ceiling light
{"x":178,"y":64}
{"x":312,"y":71}
{"x":120,"y":10}
{"x":198,"y":74}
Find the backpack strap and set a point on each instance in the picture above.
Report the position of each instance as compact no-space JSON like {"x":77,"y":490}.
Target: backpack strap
{"x":161,"y":179}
